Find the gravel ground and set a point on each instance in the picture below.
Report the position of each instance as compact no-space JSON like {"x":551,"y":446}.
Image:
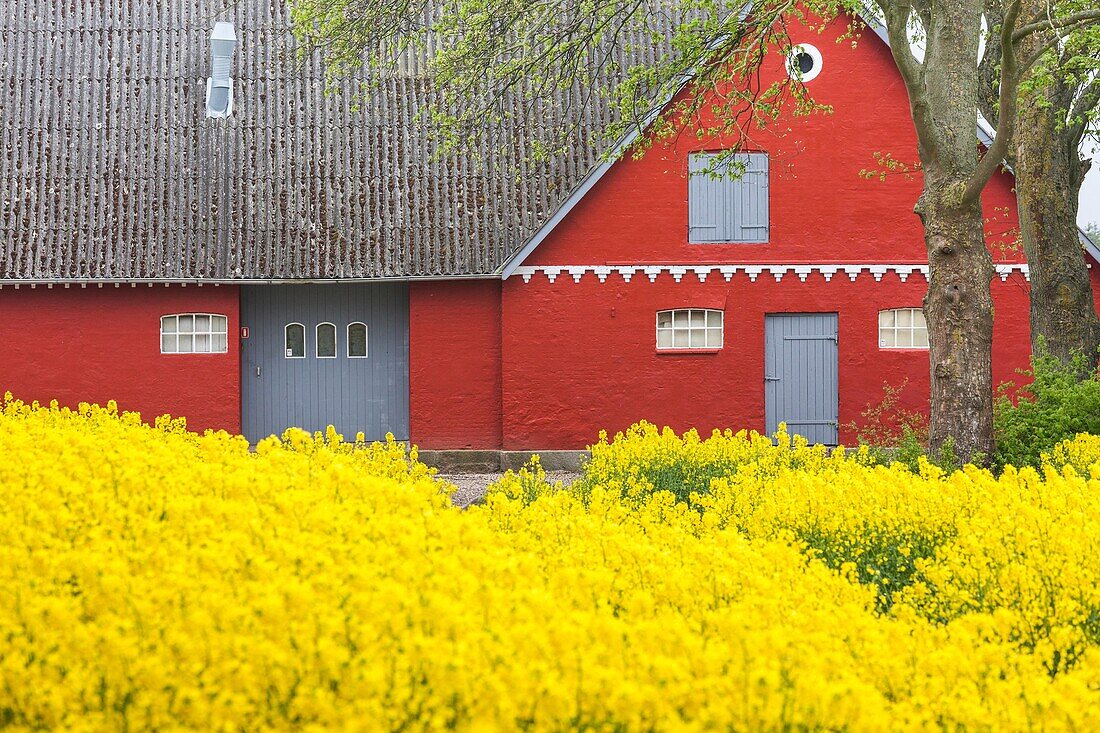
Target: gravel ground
{"x":471,"y":486}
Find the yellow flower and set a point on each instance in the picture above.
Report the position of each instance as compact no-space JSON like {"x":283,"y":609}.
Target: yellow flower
{"x":152,"y":578}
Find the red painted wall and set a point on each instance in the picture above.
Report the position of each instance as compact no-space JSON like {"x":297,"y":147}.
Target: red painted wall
{"x":580,"y":356}
{"x":455,"y":364}
{"x":97,"y":344}
{"x":822,"y":209}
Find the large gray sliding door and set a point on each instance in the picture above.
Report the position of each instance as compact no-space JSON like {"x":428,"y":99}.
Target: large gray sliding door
{"x":306,"y":378}
{"x":800,"y":375}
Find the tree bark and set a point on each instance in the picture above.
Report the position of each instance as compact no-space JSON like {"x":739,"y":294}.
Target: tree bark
{"x":1049,"y":173}
{"x":958,"y":306}
{"x":959,"y":310}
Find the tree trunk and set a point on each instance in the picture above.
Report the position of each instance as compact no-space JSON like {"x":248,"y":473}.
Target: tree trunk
{"x":1049,"y":172}
{"x":943,"y":97}
{"x":959,"y":309}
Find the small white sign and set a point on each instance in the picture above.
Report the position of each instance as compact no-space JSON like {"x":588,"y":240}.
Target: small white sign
{"x":289,"y":353}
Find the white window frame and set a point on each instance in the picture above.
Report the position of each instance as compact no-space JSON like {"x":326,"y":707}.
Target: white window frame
{"x":210,"y":333}
{"x":707,"y":329}
{"x":286,"y":348}
{"x":366,"y":340}
{"x":793,"y":69}
{"x":317,"y":340}
{"x":912,"y":329}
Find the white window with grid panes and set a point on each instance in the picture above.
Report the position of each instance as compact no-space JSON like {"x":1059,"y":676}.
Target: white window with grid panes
{"x":902,"y":328}
{"x":193,"y":333}
{"x":689,"y":328}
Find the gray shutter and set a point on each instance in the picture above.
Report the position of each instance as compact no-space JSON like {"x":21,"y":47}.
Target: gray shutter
{"x":724,"y":208}
{"x":750,"y":216}
{"x":706,"y":222}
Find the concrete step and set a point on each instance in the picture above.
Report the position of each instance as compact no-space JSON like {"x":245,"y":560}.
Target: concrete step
{"x":489,"y":461}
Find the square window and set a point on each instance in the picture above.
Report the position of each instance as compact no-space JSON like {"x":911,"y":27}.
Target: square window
{"x":193,"y":333}
{"x":902,"y":328}
{"x":689,"y":328}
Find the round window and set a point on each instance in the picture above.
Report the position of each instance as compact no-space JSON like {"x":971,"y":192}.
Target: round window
{"x":803,"y":62}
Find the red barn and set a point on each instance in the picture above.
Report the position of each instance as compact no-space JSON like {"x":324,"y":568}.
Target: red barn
{"x":254,"y":254}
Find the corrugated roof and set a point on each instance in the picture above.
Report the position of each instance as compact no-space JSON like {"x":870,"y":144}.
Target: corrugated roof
{"x":109,"y":169}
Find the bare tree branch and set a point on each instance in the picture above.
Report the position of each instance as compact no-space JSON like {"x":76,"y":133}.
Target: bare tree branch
{"x":1006,"y":106}
{"x":1066,"y":24}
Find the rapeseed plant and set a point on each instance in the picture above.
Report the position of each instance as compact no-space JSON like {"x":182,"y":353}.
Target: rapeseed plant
{"x":151,"y":578}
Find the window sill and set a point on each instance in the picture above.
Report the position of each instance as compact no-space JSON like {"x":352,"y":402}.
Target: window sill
{"x":686,"y":352}
{"x":903,"y":348}
{"x":720,"y":244}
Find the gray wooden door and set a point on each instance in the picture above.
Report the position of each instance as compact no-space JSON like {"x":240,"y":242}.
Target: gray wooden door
{"x":356,"y":384}
{"x":800,"y":375}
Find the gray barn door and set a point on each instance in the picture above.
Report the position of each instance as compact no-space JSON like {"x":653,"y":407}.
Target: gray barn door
{"x":800,"y":375}
{"x":308,"y":387}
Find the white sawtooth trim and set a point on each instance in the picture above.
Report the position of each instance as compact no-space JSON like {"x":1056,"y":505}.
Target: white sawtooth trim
{"x":876,"y":270}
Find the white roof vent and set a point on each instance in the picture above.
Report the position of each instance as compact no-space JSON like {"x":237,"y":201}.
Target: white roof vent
{"x":219,"y":87}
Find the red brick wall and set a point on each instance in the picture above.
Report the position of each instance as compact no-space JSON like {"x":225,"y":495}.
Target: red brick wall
{"x":580,"y":356}
{"x":455,"y":364}
{"x":96,"y":344}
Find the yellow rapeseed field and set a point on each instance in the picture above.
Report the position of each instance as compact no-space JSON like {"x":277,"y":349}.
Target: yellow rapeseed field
{"x":151,"y":578}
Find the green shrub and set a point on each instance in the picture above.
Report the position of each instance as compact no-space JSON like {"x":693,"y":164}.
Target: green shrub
{"x":896,"y":434}
{"x":886,"y":424}
{"x":1056,"y":406}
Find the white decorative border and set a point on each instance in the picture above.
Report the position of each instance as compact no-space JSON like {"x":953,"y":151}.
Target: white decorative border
{"x":853,"y":271}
